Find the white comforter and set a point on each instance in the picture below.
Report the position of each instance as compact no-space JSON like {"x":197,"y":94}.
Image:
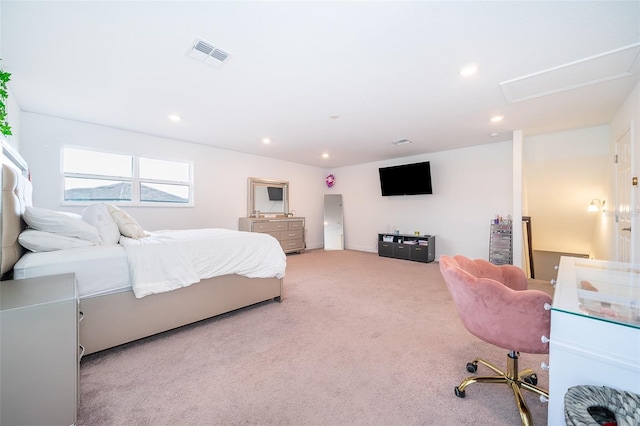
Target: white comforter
{"x":167,"y":260}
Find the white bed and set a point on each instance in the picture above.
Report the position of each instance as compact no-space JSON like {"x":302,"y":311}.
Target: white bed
{"x":116,"y":309}
{"x":99,"y":270}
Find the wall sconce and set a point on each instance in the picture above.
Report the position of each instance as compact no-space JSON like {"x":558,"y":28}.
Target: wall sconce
{"x":596,"y":205}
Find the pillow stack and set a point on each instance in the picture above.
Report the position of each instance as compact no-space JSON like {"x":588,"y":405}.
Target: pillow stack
{"x":52,"y":230}
{"x":99,"y":224}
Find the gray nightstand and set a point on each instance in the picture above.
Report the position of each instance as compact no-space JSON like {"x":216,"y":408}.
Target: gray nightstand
{"x":39,"y":351}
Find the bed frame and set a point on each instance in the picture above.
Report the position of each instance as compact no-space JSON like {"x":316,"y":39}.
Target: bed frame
{"x":114,"y":319}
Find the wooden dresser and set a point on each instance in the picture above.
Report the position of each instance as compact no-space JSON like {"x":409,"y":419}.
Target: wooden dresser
{"x":288,"y":230}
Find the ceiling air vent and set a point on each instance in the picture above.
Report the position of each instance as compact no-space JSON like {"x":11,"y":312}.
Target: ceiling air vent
{"x":207,"y":53}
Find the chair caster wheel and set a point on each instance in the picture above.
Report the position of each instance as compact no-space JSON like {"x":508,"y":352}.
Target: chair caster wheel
{"x":459,"y":393}
{"x":471,"y":367}
{"x":532,"y":379}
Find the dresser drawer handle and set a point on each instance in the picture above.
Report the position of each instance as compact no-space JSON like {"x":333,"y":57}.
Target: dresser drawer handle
{"x":81,"y":352}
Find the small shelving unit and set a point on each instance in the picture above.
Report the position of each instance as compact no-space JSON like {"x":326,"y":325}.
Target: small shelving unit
{"x":419,"y":248}
{"x":501,"y":243}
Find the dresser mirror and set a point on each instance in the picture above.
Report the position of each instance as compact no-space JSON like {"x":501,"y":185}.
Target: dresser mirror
{"x":267,"y":197}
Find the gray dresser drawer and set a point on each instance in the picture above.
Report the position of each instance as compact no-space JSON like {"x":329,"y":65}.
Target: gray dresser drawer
{"x":292,"y":245}
{"x":269,"y":226}
{"x":291,"y":235}
{"x":296,"y":225}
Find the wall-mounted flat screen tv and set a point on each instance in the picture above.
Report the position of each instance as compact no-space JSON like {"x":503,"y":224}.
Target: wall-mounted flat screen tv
{"x":406,"y":179}
{"x":275,"y":193}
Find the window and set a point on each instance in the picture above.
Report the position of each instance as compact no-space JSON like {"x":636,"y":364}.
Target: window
{"x":93,"y":176}
{"x":164,"y":181}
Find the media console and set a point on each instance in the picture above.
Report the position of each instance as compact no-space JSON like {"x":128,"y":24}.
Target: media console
{"x":419,"y":248}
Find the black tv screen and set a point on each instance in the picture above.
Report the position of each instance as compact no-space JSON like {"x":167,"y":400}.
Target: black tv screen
{"x":406,"y":179}
{"x":275,"y":193}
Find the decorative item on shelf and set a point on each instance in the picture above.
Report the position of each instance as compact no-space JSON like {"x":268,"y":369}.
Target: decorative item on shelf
{"x":5,"y":128}
{"x":330,"y":180}
{"x":501,"y":220}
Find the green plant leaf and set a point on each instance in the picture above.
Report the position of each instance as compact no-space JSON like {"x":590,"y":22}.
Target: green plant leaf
{"x":5,"y":128}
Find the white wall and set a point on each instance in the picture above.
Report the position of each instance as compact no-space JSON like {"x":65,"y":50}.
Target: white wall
{"x":13,"y":117}
{"x":470,"y":187}
{"x":220,"y":181}
{"x":564,"y":172}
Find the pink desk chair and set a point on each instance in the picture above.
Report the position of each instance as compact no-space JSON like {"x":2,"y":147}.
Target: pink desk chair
{"x":494,"y":305}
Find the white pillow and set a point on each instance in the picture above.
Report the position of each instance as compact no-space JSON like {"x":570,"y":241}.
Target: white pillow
{"x":126,"y":224}
{"x":67,"y":224}
{"x":99,"y":216}
{"x":46,"y":241}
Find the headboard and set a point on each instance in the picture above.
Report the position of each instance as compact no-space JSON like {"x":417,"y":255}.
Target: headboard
{"x":16,"y":196}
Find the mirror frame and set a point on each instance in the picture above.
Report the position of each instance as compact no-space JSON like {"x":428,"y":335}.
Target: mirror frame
{"x":254,"y":183}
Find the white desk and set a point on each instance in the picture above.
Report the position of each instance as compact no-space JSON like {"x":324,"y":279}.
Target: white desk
{"x":595,"y":329}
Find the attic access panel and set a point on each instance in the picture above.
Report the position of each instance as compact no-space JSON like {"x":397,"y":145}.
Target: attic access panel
{"x":617,"y":63}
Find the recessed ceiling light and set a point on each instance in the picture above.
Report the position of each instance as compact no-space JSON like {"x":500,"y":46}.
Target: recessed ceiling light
{"x":497,"y":118}
{"x":401,"y":142}
{"x":266,"y":141}
{"x":494,"y":134}
{"x":468,"y":70}
{"x":325,"y":155}
{"x":174,"y":117}
{"x":334,"y":116}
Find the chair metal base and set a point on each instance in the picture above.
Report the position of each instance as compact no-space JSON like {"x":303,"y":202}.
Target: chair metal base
{"x":525,"y":379}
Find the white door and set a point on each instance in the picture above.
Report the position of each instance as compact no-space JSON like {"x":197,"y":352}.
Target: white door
{"x":623,"y":196}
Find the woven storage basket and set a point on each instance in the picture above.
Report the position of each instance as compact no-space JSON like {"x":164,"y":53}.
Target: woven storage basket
{"x":624,"y":405}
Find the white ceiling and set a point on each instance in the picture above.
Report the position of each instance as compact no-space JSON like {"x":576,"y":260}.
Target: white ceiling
{"x":389,"y":70}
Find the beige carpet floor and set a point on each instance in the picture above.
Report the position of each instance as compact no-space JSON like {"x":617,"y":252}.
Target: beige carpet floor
{"x":357,"y":340}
